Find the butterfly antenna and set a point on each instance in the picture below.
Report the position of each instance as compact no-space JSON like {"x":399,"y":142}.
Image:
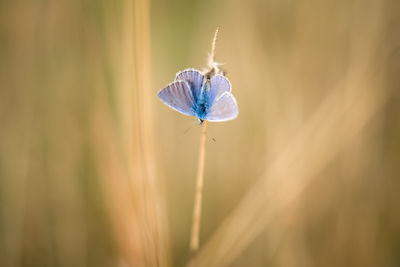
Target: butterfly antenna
{"x":191,"y":126}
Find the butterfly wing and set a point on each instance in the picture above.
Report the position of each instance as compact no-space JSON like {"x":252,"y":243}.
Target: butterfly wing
{"x":178,"y":96}
{"x":194,"y":78}
{"x":224,"y":108}
{"x":218,"y":85}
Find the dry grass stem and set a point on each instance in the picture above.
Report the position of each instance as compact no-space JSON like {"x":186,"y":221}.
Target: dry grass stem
{"x":211,"y":60}
{"x":194,"y":239}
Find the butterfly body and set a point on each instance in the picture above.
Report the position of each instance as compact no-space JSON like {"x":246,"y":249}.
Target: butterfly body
{"x":205,"y":98}
{"x":201,"y":106}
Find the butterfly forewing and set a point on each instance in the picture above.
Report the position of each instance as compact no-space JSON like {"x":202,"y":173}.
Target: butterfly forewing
{"x":178,"y":96}
{"x":218,"y":85}
{"x":223,"y":109}
{"x":194,"y":78}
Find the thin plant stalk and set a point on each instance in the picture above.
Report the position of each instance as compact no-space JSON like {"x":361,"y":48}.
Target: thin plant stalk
{"x":194,"y":237}
{"x":194,"y":240}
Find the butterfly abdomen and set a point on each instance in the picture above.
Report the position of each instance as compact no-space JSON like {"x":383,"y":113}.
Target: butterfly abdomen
{"x":202,"y":103}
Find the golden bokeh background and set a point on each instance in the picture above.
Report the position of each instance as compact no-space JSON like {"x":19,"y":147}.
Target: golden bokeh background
{"x":96,"y":171}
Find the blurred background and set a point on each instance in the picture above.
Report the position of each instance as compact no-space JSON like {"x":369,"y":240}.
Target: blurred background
{"x":96,"y":171}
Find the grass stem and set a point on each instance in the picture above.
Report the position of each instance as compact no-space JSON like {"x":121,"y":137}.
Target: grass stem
{"x":194,"y":238}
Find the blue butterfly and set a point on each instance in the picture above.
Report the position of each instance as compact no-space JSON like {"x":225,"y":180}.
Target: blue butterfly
{"x":195,"y":95}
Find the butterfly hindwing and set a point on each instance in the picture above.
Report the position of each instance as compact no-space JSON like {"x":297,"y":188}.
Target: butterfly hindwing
{"x":218,"y":85}
{"x":194,"y":78}
{"x":224,"y":108}
{"x":178,"y":96}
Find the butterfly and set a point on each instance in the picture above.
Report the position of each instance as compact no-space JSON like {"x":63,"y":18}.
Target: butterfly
{"x":194,"y":94}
